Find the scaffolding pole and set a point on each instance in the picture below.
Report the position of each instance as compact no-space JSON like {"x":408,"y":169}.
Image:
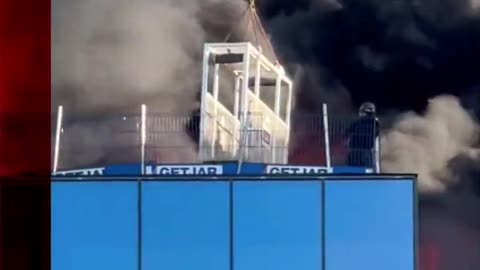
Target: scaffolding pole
{"x":326,"y":136}
{"x":377,"y":155}
{"x":57,"y":138}
{"x":143,"y":136}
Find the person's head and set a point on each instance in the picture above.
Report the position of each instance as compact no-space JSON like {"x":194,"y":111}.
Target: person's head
{"x":367,"y":109}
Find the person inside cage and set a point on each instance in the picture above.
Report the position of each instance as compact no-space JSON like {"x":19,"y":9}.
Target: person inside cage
{"x":361,"y":137}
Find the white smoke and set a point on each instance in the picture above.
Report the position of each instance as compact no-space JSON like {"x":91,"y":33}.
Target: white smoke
{"x":110,"y":53}
{"x":111,"y":56}
{"x":426,"y":144}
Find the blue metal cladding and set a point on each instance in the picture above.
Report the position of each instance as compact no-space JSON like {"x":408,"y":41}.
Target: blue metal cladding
{"x":371,"y":223}
{"x":277,"y":225}
{"x":185,"y":225}
{"x":93,"y":226}
{"x":331,"y":223}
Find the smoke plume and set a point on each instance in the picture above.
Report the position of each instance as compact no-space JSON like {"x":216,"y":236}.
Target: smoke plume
{"x":397,"y":53}
{"x":442,"y":147}
{"x":426,"y":144}
{"x":110,"y":56}
{"x":109,"y":53}
{"x":402,"y":55}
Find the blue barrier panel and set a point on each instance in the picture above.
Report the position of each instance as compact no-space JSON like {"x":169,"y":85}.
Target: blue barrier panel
{"x":369,"y":224}
{"x":185,"y":226}
{"x":94,"y":226}
{"x":277,"y":225}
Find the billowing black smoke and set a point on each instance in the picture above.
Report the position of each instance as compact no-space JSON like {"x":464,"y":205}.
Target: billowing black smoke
{"x":111,"y":56}
{"x":395,"y":53}
{"x":402,"y":55}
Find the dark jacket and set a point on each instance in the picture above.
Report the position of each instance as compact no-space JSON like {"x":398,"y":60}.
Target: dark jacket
{"x":362,"y":133}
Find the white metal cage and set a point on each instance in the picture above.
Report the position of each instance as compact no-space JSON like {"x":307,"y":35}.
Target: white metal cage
{"x":245,"y":105}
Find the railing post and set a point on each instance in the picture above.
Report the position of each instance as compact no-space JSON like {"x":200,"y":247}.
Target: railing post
{"x":57,"y":138}
{"x":326,"y":135}
{"x":143,"y":136}
{"x":377,"y":154}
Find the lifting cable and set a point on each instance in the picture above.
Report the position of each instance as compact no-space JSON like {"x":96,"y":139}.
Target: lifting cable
{"x":262,"y":32}
{"x":227,"y":37}
{"x":256,"y":22}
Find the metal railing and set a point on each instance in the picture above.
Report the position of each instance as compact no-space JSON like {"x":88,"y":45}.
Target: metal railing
{"x":175,"y":139}
{"x":348,"y":141}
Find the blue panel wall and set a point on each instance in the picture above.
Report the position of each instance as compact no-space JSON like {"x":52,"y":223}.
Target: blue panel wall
{"x":276,"y":225}
{"x":94,"y":226}
{"x":185,"y":226}
{"x":369,"y":224}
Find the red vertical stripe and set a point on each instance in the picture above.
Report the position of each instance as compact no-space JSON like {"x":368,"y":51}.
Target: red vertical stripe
{"x":24,"y":86}
{"x":24,"y":134}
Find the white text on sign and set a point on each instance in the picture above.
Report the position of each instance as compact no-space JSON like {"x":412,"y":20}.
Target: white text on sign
{"x":184,"y":170}
{"x":297,"y":170}
{"x":83,"y":172}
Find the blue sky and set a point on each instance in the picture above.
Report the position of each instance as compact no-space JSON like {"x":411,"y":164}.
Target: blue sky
{"x":277,"y":225}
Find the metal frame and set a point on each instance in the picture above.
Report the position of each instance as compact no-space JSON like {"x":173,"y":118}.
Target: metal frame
{"x":253,"y":60}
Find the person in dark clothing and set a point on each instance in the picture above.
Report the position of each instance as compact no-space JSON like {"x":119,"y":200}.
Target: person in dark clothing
{"x":361,"y":137}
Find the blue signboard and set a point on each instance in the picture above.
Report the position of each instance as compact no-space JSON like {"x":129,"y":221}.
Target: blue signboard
{"x":212,"y":169}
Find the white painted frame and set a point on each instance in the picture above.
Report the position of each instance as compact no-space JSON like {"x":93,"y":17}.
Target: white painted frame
{"x":250,"y":54}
